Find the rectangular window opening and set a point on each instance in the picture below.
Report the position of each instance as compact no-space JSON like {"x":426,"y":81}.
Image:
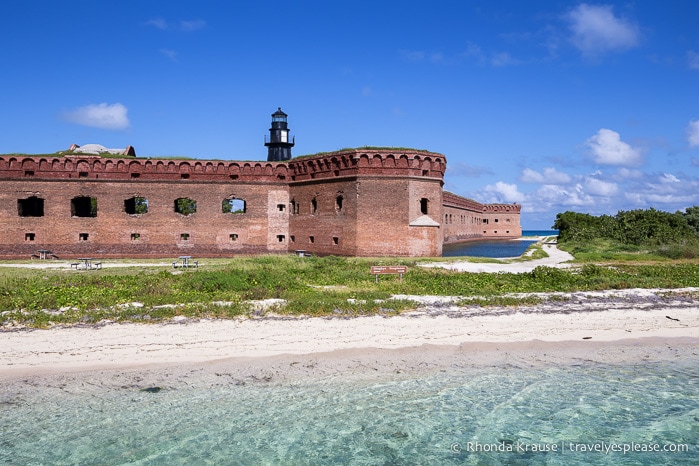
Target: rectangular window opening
{"x":28,"y":173}
{"x":281,"y":207}
{"x":184,"y":236}
{"x":83,"y":206}
{"x":423,"y":205}
{"x":234,"y":177}
{"x":83,"y":236}
{"x":82,"y":175}
{"x":281,"y":238}
{"x":311,"y":239}
{"x":292,"y":238}
{"x":135,"y":236}
{"x":29,"y":236}
{"x":336,"y":240}
{"x":184,"y":176}
{"x":135,"y":175}
{"x":233,"y":237}
{"x":30,"y":207}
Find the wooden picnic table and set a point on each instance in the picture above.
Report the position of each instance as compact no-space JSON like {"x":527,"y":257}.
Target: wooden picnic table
{"x":88,"y":262}
{"x":185,"y":261}
{"x":43,"y":254}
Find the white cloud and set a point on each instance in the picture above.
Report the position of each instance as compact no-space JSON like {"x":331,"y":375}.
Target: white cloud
{"x":693,"y":133}
{"x":693,"y":60}
{"x":668,"y":178}
{"x":502,"y":59}
{"x":504,"y":192}
{"x":601,"y":188}
{"x":597,"y":30}
{"x":607,"y":148}
{"x":549,"y":176}
{"x":193,"y":25}
{"x":666,"y":189}
{"x":626,"y":173}
{"x":413,"y":55}
{"x":100,"y":116}
{"x":158,"y":23}
{"x":186,"y":26}
{"x":555,"y":198}
{"x":171,"y":54}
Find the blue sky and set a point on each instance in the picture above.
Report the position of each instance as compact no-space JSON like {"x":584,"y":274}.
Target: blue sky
{"x":557,"y":105}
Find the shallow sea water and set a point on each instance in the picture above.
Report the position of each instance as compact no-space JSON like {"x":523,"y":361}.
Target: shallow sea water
{"x":494,"y":249}
{"x":385,"y":419}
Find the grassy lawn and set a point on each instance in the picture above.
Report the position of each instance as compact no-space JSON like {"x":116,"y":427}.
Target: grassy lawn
{"x":312,"y":286}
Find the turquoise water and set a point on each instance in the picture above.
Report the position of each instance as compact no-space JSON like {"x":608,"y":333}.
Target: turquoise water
{"x":383,"y":420}
{"x":539,"y":232}
{"x":495,"y":248}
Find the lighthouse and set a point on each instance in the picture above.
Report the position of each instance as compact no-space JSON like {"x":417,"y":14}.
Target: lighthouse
{"x":279,"y":145}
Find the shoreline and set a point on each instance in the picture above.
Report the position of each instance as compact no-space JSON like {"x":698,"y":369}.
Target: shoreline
{"x":586,"y":320}
{"x":377,"y":364}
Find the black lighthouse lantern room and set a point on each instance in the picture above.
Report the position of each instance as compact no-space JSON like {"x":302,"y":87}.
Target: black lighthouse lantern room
{"x":279,"y":145}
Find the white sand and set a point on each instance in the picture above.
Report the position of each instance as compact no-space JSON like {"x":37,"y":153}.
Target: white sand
{"x":119,"y":345}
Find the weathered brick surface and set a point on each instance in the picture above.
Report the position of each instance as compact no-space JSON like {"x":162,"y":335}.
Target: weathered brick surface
{"x":375,"y":203}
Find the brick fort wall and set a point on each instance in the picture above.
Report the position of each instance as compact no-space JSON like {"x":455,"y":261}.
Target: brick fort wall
{"x":352,"y":202}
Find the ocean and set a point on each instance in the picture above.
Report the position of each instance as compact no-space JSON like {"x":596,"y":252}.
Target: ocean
{"x":574,"y":414}
{"x":496,"y":249}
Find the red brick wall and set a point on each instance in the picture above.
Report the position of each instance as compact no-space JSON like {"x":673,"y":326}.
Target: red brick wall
{"x":384,"y":196}
{"x":159,"y":230}
{"x":465,"y":219}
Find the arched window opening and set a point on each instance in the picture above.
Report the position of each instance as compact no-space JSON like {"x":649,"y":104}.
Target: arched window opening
{"x":339,"y":200}
{"x":136,"y":205}
{"x":233,"y":205}
{"x":185,"y":206}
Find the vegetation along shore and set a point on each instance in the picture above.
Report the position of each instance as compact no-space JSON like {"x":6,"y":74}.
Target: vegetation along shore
{"x":607,"y":257}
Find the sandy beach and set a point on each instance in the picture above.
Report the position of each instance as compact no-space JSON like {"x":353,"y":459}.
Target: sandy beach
{"x":586,"y":319}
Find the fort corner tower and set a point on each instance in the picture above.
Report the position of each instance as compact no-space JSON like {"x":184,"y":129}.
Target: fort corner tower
{"x":279,"y":145}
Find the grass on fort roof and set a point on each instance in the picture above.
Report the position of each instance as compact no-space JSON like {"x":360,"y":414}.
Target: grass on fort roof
{"x":366,"y":148}
{"x":184,"y":157}
{"x":311,"y":286}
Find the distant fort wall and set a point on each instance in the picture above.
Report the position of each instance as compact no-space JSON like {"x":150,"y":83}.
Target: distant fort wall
{"x":465,"y":219}
{"x":351,"y":202}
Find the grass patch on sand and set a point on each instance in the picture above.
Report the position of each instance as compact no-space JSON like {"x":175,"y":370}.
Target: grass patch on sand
{"x":311,"y":286}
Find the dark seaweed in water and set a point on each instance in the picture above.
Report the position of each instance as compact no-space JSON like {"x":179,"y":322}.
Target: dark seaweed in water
{"x":151,"y":389}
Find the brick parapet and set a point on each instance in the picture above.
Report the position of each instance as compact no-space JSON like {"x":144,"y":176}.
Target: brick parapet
{"x":113,"y":169}
{"x":452,"y":200}
{"x":375,"y":162}
{"x":502,"y":208}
